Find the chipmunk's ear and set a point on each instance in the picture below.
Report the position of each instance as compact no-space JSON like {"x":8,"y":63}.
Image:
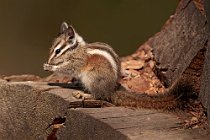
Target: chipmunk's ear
{"x":70,"y":32}
{"x":64,"y":27}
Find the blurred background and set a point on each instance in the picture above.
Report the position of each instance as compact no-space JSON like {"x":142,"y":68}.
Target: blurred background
{"x":27,"y":28}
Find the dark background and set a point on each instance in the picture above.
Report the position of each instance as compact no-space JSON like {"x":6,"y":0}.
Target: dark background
{"x":27,"y":28}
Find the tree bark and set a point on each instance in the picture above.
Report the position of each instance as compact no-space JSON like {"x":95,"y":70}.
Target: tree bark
{"x":205,"y":85}
{"x":179,"y":41}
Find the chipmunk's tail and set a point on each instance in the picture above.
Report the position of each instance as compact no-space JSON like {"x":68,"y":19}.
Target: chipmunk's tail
{"x":170,"y":100}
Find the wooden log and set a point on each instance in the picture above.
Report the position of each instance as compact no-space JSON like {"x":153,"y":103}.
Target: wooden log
{"x":27,"y":108}
{"x":205,"y":85}
{"x":179,"y":41}
{"x":26,"y":112}
{"x":35,"y":110}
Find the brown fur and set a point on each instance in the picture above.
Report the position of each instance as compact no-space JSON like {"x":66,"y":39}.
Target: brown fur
{"x":163,"y":102}
{"x":99,"y":77}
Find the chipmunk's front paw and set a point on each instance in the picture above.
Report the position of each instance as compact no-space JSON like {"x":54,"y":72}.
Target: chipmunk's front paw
{"x":82,"y":95}
{"x":48,"y":67}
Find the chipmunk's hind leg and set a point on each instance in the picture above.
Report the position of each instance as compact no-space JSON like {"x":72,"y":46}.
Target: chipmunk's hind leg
{"x":102,"y":89}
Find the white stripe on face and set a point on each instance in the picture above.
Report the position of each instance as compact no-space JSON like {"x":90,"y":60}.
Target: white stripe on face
{"x":53,"y":53}
{"x":64,"y":49}
{"x":107,"y":56}
{"x":77,"y":38}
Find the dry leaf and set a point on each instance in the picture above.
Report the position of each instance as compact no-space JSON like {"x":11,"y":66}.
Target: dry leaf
{"x":133,"y":64}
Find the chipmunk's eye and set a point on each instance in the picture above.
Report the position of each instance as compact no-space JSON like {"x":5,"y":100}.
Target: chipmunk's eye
{"x":57,"y":51}
{"x":71,"y":37}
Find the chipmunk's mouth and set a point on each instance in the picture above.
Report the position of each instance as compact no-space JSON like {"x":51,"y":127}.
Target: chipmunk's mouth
{"x":55,"y":63}
{"x":49,"y":66}
{"x":58,"y":63}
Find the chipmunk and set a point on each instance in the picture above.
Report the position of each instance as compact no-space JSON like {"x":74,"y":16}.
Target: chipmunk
{"x":98,"y":68}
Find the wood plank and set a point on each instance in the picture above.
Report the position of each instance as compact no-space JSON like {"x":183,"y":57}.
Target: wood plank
{"x":134,"y":124}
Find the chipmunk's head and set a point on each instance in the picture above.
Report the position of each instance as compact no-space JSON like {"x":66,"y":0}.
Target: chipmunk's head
{"x":66,"y":42}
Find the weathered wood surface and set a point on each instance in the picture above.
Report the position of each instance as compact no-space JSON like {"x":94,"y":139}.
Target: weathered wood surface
{"x":134,"y":124}
{"x":28,"y":108}
{"x":179,"y":41}
{"x":205,"y":83}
